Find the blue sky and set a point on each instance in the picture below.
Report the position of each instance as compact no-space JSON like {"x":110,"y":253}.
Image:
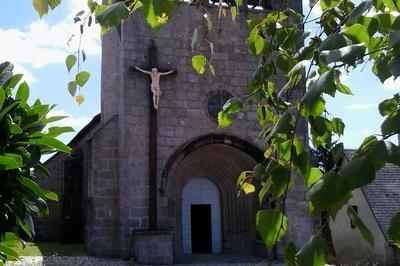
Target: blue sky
{"x":39,"y":47}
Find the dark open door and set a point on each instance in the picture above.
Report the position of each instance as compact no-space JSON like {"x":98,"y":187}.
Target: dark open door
{"x":72,"y":209}
{"x":201,"y":228}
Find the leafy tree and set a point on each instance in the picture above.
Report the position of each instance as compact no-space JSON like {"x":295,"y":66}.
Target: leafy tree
{"x":24,"y":138}
{"x":350,"y":36}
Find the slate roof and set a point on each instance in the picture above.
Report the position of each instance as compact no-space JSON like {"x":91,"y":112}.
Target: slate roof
{"x":383,"y":195}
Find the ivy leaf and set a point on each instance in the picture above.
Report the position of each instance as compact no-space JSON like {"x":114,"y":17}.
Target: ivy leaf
{"x":358,"y":172}
{"x":338,"y":126}
{"x":194,"y":38}
{"x":312,"y":253}
{"x":289,"y":254}
{"x":359,"y":10}
{"x":245,"y":182}
{"x":346,"y":54}
{"x":41,"y":6}
{"x":283,"y":123}
{"x":82,"y":77}
{"x":329,"y":190}
{"x":394,"y":229}
{"x":315,"y":89}
{"x":113,"y":15}
{"x":199,"y":63}
{"x":391,"y":124}
{"x":72,"y":86}
{"x":271,"y":225}
{"x":335,"y":41}
{"x":79,"y":99}
{"x":357,"y":33}
{"x":357,"y":222}
{"x":70,"y":61}
{"x":158,"y":12}
{"x":394,"y":38}
{"x":387,"y":152}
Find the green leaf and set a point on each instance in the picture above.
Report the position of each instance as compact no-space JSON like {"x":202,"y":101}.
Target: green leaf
{"x":391,"y":4}
{"x":371,"y":24}
{"x":338,"y":126}
{"x":315,"y":175}
{"x":2,"y":97}
{"x":358,"y":172}
{"x":11,"y":161}
{"x":316,"y":88}
{"x":264,"y":190}
{"x":357,"y":222}
{"x":22,"y":92}
{"x":385,"y":22}
{"x":53,"y":3}
{"x":394,"y":38}
{"x":282,"y":124}
{"x":312,"y":253}
{"x":82,"y":77}
{"x":41,"y":6}
{"x":359,"y":10}
{"x":335,"y":41}
{"x":51,"y":196}
{"x":31,"y":185}
{"x":113,"y":15}
{"x":391,"y":124}
{"x":357,"y":33}
{"x":72,"y":86}
{"x":10,"y":254}
{"x":387,"y":152}
{"x":57,"y":131}
{"x":70,"y":61}
{"x":325,"y":4}
{"x":280,"y":179}
{"x":212,"y":69}
{"x":388,"y":106}
{"x":329,"y":190}
{"x":271,"y":225}
{"x":289,"y":254}
{"x":348,"y":54}
{"x":158,"y":12}
{"x":394,"y":229}
{"x":53,"y":143}
{"x":14,"y":81}
{"x":234,"y":12}
{"x":199,"y":63}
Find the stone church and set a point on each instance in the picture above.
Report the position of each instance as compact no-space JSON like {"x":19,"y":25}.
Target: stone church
{"x":160,"y":185}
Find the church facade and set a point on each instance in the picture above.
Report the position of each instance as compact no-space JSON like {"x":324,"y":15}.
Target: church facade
{"x":159,"y":185}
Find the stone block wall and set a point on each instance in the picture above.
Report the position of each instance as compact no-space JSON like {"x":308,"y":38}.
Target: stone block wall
{"x":103,"y":207}
{"x":182,"y":115}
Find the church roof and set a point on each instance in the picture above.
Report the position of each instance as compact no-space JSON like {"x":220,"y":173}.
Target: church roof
{"x":383,"y":195}
{"x":85,"y":130}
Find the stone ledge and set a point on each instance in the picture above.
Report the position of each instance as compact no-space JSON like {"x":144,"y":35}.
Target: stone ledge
{"x":153,"y":247}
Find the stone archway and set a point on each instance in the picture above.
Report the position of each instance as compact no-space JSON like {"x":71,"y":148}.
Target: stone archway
{"x":221,"y":163}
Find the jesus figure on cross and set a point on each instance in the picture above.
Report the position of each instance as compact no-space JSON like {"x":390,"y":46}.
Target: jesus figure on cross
{"x":155,"y":83}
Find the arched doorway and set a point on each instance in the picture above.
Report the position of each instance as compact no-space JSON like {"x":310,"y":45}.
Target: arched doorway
{"x":201,"y":217}
{"x":220,"y":159}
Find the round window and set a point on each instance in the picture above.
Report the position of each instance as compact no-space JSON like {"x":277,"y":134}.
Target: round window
{"x":215,"y":103}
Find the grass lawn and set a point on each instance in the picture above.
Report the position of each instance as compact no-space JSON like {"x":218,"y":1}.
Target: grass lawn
{"x":50,"y":249}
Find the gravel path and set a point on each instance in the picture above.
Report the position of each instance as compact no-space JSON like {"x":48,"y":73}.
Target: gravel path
{"x":93,"y":261}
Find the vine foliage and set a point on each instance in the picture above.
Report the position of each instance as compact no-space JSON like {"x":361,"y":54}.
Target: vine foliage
{"x":350,"y":36}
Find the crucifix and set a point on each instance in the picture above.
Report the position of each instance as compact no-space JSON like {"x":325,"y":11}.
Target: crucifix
{"x":154,"y":99}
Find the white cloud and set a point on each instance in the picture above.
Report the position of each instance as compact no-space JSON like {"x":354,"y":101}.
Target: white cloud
{"x":76,"y":123}
{"x":28,"y":75}
{"x":41,"y":42}
{"x":358,"y":106}
{"x":392,"y":85}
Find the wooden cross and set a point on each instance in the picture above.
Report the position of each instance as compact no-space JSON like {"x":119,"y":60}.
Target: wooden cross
{"x":154,"y":79}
